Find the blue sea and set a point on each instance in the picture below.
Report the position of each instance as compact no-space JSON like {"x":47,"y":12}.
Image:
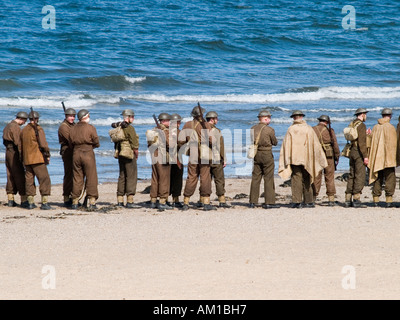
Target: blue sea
{"x":234,"y":57}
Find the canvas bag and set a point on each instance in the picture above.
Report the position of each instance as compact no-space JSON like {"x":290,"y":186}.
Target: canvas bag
{"x":350,"y":132}
{"x":251,"y":153}
{"x":117,"y":134}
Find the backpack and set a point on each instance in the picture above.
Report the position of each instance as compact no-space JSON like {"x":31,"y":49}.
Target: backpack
{"x":350,"y":132}
{"x":117,"y":134}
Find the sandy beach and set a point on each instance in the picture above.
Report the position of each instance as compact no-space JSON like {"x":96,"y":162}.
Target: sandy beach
{"x":236,"y":253}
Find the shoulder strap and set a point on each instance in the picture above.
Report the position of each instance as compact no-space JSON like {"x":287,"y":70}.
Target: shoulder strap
{"x":259,"y":135}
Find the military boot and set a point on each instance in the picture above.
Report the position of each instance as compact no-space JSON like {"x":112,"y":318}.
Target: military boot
{"x":222,"y":202}
{"x":357,"y":202}
{"x":130,"y":204}
{"x":92,"y":204}
{"x":207,"y":205}
{"x":375,"y":201}
{"x":176,"y":203}
{"x":45,"y":205}
{"x":24,"y":201}
{"x":331,"y":201}
{"x":11,"y":202}
{"x":75,"y":204}
{"x":67,"y":202}
{"x":120,"y":201}
{"x":185,"y":203}
{"x":347,"y":200}
{"x":200,"y":203}
{"x":31,"y":203}
{"x":389,"y":202}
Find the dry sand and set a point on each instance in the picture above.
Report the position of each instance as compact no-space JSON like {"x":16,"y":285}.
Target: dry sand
{"x":235,"y":253}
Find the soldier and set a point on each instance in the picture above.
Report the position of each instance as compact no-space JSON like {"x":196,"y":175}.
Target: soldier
{"x":218,"y":159}
{"x":15,"y":168}
{"x":84,"y":139}
{"x":358,"y":161}
{"x":35,"y":155}
{"x":194,"y":132}
{"x":127,"y":180}
{"x":327,"y":138}
{"x":176,"y":180}
{"x":66,"y":152}
{"x":382,"y":158}
{"x":302,"y":159}
{"x":161,"y":168}
{"x":264,"y":164}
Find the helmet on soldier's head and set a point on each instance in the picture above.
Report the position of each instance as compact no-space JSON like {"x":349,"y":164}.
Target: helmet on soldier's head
{"x":264,"y":113}
{"x":386,"y":111}
{"x":360,"y":110}
{"x":164,"y":116}
{"x":196,"y":111}
{"x":33,"y":115}
{"x":176,"y":117}
{"x":70,"y":111}
{"x":324,"y":118}
{"x":82,"y":113}
{"x":211,"y":114}
{"x":127,"y":113}
{"x":297,"y":113}
{"x":22,"y":115}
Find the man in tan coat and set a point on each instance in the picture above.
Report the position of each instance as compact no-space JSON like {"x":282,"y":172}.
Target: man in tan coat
{"x":327,"y":138}
{"x":36,"y":156}
{"x":382,"y":158}
{"x":66,"y":152}
{"x":15,"y":168}
{"x":84,"y":139}
{"x":264,"y":163}
{"x":302,"y":159}
{"x":358,"y":161}
{"x":127,"y":179}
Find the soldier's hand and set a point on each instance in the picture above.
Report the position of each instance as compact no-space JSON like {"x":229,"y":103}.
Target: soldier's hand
{"x":366,"y":161}
{"x":136,"y":153}
{"x":224,"y":164}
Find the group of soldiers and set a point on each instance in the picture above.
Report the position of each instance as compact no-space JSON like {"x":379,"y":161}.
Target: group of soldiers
{"x":306,"y":154}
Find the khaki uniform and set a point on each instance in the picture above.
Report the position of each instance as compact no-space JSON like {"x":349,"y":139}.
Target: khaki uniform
{"x":301,"y":158}
{"x":195,"y":168}
{"x":217,"y":165}
{"x":332,"y":153}
{"x":127,"y":180}
{"x":14,"y":166}
{"x":358,"y":153}
{"x":66,"y":152}
{"x":263,"y":165}
{"x":84,"y":139}
{"x":34,"y":161}
{"x":161,"y":171}
{"x":382,"y":159}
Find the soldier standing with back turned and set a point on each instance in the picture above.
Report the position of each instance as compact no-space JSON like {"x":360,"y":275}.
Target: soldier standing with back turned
{"x":327,"y":138}
{"x":176,"y":181}
{"x":14,"y":166}
{"x":264,"y":164}
{"x":358,"y":161}
{"x":84,"y":139}
{"x":66,"y":152}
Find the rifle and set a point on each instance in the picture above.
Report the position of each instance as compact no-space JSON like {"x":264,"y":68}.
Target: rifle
{"x":202,"y":120}
{"x":62,"y":102}
{"x":45,"y":154}
{"x":156,"y":121}
{"x":333,"y":150}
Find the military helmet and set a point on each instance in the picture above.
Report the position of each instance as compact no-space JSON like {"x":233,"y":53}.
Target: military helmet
{"x":22,"y":115}
{"x":196,"y":111}
{"x":176,"y":117}
{"x":386,"y":111}
{"x":127,"y":113}
{"x":360,"y":110}
{"x":297,"y":113}
{"x":264,"y":113}
{"x":324,"y":118}
{"x":33,"y":115}
{"x":164,"y":116}
{"x":70,"y":111}
{"x":82,"y":113}
{"x":211,"y":114}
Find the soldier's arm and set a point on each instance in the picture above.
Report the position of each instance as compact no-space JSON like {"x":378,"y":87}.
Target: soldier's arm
{"x":95,"y":139}
{"x":274,"y":141}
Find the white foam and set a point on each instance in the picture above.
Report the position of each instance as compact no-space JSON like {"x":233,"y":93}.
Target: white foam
{"x":134,"y":79}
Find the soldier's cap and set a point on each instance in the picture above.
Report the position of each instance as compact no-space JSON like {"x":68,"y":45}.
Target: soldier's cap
{"x":211,"y":114}
{"x":82,"y":113}
{"x":196,"y":111}
{"x":127,"y":113}
{"x":70,"y":111}
{"x":297,"y":113}
{"x":360,"y":110}
{"x":164,"y":116}
{"x":34,"y":115}
{"x":324,"y":118}
{"x":176,"y":117}
{"x":264,"y":113}
{"x":22,"y":115}
{"x":386,"y":111}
